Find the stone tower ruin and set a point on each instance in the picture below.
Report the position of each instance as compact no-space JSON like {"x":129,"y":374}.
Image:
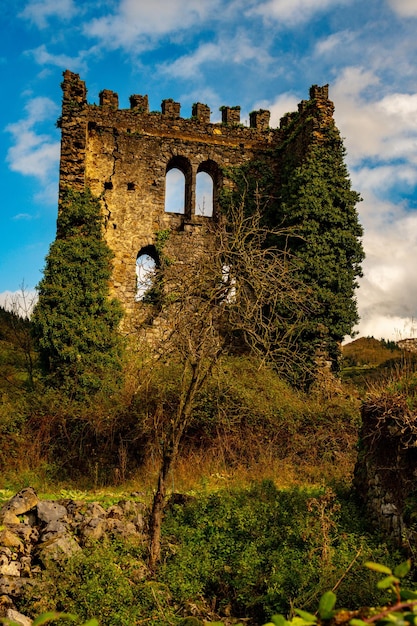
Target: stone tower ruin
{"x":125,"y":157}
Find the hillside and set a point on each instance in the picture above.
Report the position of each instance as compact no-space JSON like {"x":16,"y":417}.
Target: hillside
{"x":367,"y":361}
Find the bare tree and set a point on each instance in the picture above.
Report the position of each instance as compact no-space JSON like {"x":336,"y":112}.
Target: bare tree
{"x":239,"y":290}
{"x":20,"y":306}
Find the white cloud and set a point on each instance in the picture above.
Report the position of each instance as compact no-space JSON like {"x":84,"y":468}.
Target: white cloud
{"x":23,"y":216}
{"x":384,"y":129}
{"x":134,"y":22}
{"x":387,"y":297}
{"x":388,"y":327}
{"x":237,"y":50}
{"x":33,"y":154}
{"x":329,"y":44}
{"x":39,"y":11}
{"x":404,"y":8}
{"x":381,"y":139}
{"x":293,"y":12}
{"x":190,"y":64}
{"x":43,"y":57}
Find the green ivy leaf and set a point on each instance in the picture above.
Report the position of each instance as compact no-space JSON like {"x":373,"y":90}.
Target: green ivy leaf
{"x":278,"y":620}
{"x":377,"y":567}
{"x":357,"y":622}
{"x":387,"y":582}
{"x":307,"y":617}
{"x":326,"y":605}
{"x":402,"y":569}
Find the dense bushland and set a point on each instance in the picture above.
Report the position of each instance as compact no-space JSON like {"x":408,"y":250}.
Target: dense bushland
{"x":232,"y":549}
{"x":245,"y":417}
{"x":243,"y":553}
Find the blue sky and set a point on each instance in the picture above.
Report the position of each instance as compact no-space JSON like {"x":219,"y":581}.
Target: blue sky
{"x":252,"y":53}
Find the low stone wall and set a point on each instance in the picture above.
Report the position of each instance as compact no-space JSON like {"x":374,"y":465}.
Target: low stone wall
{"x":33,"y":531}
{"x":386,"y":470}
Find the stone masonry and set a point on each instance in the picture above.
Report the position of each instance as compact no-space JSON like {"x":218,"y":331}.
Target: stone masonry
{"x":124,"y":155}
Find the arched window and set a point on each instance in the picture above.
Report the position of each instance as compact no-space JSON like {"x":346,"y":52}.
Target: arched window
{"x":174,"y":191}
{"x":145,"y":274}
{"x":204,"y":194}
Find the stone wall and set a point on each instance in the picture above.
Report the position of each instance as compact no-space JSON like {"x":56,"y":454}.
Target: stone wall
{"x":34,"y":532}
{"x":386,"y":469}
{"x":123,"y":156}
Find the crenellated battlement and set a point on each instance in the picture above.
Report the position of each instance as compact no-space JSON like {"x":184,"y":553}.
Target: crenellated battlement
{"x":74,"y":92}
{"x":74,"y":96}
{"x":126,"y":157}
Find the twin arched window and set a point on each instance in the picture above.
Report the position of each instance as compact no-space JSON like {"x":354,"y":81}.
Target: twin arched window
{"x":178,"y":185}
{"x":175,"y":191}
{"x":204,"y":194}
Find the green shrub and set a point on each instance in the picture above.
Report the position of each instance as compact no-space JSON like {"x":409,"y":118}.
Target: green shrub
{"x":260,"y":551}
{"x":106,"y":581}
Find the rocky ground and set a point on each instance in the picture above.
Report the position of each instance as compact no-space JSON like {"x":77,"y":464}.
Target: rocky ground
{"x":33,"y":532}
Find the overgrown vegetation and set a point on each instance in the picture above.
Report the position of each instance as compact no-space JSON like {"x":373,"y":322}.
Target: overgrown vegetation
{"x":260,"y":551}
{"x":315,"y":209}
{"x":75,"y":322}
{"x":206,"y":409}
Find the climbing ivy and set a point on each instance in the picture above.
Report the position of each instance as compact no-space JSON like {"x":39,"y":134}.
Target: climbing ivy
{"x":309,"y":198}
{"x":317,"y":202}
{"x":75,"y":322}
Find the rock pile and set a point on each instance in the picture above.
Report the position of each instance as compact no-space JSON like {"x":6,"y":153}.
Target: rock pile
{"x":33,"y":532}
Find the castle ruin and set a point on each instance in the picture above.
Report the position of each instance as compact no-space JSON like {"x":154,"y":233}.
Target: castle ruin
{"x":127,"y":158}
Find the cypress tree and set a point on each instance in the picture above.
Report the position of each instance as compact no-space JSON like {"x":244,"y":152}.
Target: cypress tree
{"x":317,"y":202}
{"x":75,"y":322}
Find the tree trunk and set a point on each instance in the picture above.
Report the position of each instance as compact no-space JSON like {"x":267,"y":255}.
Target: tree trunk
{"x":157,"y":512}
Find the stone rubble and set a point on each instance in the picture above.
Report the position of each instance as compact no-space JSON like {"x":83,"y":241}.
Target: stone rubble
{"x":33,"y":532}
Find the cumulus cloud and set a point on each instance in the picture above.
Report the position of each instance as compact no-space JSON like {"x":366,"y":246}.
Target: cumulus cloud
{"x":383,"y":129}
{"x":234,"y":50}
{"x":33,"y":154}
{"x":387,"y":297}
{"x":133,"y":23}
{"x":39,"y":11}
{"x":43,"y":57}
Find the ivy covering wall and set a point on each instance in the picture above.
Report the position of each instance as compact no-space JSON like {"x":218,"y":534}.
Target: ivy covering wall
{"x":75,"y":321}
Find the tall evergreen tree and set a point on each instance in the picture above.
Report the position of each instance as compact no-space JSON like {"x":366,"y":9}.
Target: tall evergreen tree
{"x":75,"y":322}
{"x":316,"y":201}
{"x":311,"y":200}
